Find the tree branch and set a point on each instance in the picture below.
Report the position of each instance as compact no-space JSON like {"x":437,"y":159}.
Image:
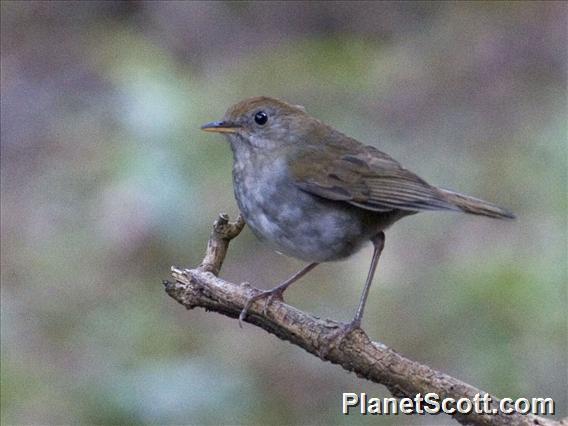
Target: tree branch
{"x":373,"y":361}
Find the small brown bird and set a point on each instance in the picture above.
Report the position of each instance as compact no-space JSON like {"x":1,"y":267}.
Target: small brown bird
{"x":318,"y":195}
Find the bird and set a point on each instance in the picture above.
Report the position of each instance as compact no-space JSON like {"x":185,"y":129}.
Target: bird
{"x":317,"y":195}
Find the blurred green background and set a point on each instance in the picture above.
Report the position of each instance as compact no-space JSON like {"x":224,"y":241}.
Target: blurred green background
{"x":107,"y":181}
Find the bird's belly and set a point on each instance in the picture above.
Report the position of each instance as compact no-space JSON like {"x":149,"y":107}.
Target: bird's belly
{"x":302,"y":225}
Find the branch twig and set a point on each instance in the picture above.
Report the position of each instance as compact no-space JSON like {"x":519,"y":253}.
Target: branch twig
{"x":356,"y":352}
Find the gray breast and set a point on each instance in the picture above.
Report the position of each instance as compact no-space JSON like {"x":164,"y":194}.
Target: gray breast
{"x":297,"y":223}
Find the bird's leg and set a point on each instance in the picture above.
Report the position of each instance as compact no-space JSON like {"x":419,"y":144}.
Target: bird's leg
{"x":275,"y":293}
{"x":378,"y":243}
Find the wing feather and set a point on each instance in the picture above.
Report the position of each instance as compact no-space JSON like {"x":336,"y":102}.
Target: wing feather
{"x":364,"y":177}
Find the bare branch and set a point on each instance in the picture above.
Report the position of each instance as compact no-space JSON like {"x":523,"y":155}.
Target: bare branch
{"x":222,"y":233}
{"x":356,"y":352}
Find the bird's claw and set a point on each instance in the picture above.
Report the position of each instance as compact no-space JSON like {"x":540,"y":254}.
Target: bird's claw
{"x":274,"y":295}
{"x":334,"y":339}
{"x":269,"y":295}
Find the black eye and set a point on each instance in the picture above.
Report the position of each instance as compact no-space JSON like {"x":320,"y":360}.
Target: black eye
{"x":261,"y":118}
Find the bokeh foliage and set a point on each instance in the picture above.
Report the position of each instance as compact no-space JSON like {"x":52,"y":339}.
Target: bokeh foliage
{"x":107,"y":181}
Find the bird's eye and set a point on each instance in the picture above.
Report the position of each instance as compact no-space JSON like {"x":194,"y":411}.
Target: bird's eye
{"x":261,"y":118}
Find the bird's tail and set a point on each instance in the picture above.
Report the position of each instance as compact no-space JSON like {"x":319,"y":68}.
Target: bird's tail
{"x":476,"y":206}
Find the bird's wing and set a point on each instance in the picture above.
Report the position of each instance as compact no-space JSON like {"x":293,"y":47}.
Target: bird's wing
{"x":364,"y":177}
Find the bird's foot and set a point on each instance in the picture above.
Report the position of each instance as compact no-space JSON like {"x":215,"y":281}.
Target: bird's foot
{"x":334,"y":339}
{"x":269,"y":295}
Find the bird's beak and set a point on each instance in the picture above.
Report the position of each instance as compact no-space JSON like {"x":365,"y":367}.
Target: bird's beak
{"x":220,"y":127}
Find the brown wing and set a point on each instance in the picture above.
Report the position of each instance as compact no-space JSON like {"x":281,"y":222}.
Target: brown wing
{"x":364,"y":177}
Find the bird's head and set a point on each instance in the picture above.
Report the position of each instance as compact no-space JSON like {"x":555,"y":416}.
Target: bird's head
{"x":263,"y":123}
